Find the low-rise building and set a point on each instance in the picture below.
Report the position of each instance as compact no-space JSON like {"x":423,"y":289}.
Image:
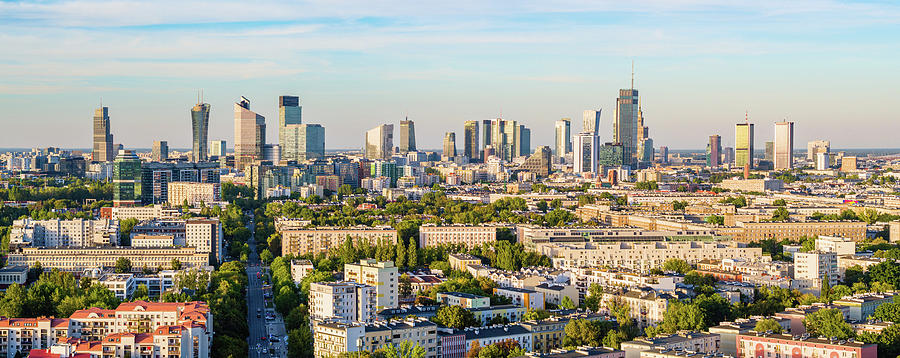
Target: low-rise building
{"x":13,"y":274}
{"x":500,"y":313}
{"x":332,"y":339}
{"x":802,"y":346}
{"x":486,"y":336}
{"x":580,"y":352}
{"x":729,"y":331}
{"x":300,"y":268}
{"x":678,"y":353}
{"x":685,"y":341}
{"x":555,"y":293}
{"x":459,"y":262}
{"x":464,"y":300}
{"x":646,"y":307}
{"x":523,"y":297}
{"x":342,"y":302}
{"x":863,"y":305}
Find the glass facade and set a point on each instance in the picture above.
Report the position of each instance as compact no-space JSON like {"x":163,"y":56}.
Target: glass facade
{"x":127,"y":179}
{"x":200,"y":126}
{"x":743,"y":144}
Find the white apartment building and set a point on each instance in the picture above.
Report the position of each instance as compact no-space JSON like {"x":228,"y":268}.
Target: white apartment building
{"x":837,"y":245}
{"x":333,"y":338}
{"x":382,"y":275}
{"x":342,"y":302}
{"x":142,"y":213}
{"x":647,"y":308}
{"x":811,"y":268}
{"x":77,"y":260}
{"x":193,"y":193}
{"x":64,"y":233}
{"x":471,"y":236}
{"x":522,"y":297}
{"x":204,"y":234}
{"x":302,"y":241}
{"x":683,"y":341}
{"x":300,"y":268}
{"x":643,"y":256}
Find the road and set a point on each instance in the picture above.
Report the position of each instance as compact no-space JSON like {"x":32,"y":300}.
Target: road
{"x":256,"y":307}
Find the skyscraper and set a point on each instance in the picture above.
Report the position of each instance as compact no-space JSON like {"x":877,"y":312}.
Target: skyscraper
{"x":524,"y":140}
{"x":714,"y":151}
{"x":407,"y":136}
{"x":450,"y":145}
{"x":290,"y":116}
{"x":504,"y":138}
{"x":217,"y":148}
{"x":769,"y":154}
{"x":540,"y":163}
{"x":585,"y":153}
{"x":380,"y":142}
{"x":127,"y":179}
{"x":625,"y":127}
{"x":160,"y":151}
{"x":743,"y":144}
{"x":310,"y":141}
{"x":249,"y":134}
{"x":644,"y":143}
{"x":200,"y":127}
{"x":784,"y":145}
{"x":591,"y":121}
{"x":563,"y":137}
{"x":815,"y":147}
{"x":103,"y":139}
{"x":486,"y":132}
{"x":470,"y":141}
{"x":664,"y":155}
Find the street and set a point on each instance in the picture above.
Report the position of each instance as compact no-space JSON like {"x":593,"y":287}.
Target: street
{"x":262,"y":329}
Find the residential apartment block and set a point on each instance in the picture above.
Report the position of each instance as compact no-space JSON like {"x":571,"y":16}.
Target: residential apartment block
{"x":77,"y":260}
{"x":342,"y":302}
{"x":380,"y":274}
{"x":471,"y":236}
{"x":803,"y":346}
{"x":643,"y":256}
{"x":193,"y":193}
{"x":64,"y":233}
{"x":302,"y":241}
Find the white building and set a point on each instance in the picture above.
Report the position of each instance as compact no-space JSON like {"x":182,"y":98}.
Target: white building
{"x":193,"y":193}
{"x":810,"y":268}
{"x":342,"y":301}
{"x":142,"y":213}
{"x":471,"y":236}
{"x":64,"y":233}
{"x":837,"y":245}
{"x":382,"y":275}
{"x":585,"y":153}
{"x":300,"y":268}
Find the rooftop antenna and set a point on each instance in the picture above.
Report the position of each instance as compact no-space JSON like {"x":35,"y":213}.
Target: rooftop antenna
{"x":632,"y":74}
{"x":101,"y":101}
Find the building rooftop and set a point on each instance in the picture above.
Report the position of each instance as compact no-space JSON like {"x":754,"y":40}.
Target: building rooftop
{"x":808,"y":339}
{"x":494,"y":331}
{"x":670,"y":339}
{"x":461,"y":295}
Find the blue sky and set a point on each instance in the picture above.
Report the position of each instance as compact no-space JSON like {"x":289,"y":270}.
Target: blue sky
{"x":829,"y":66}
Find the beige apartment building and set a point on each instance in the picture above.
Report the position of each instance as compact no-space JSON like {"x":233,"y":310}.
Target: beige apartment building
{"x":78,"y":259}
{"x":794,"y":230}
{"x":342,"y":301}
{"x":643,"y":256}
{"x":381,"y":275}
{"x":471,"y":236}
{"x":301,"y":241}
{"x":334,"y":338}
{"x":193,"y":193}
{"x":646,"y":308}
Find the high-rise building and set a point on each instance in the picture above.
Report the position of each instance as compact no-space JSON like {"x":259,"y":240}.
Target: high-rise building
{"x":714,"y":151}
{"x":644,"y":142}
{"x":743,"y":144}
{"x":784,"y":145}
{"x":540,"y":163}
{"x":625,"y":127}
{"x":217,"y":148}
{"x":200,"y":127}
{"x":450,"y":145}
{"x":585,"y":151}
{"x":664,"y":155}
{"x":249,"y":134}
{"x":823,"y":160}
{"x":407,"y":136}
{"x":310,"y":141}
{"x":103,"y":139}
{"x":290,"y":116}
{"x":591,"y":121}
{"x":470,"y":141}
{"x":486,"y":133}
{"x":380,"y":142}
{"x":770,"y":151}
{"x":127,"y":179}
{"x":524,"y":140}
{"x":160,"y":151}
{"x":611,"y":155}
{"x":727,"y":155}
{"x":382,"y":275}
{"x":563,"y":137}
{"x":815,"y":147}
{"x":503,"y":138}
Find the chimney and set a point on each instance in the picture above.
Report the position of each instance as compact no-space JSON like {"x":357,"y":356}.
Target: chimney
{"x":746,"y":171}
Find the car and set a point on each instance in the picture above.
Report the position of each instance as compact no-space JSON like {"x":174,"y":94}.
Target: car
{"x":259,"y":310}
{"x":263,"y":338}
{"x":258,"y":315}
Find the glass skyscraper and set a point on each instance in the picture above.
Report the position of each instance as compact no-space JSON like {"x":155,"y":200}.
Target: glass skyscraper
{"x":200,"y":126}
{"x":470,"y":141}
{"x":249,"y":134}
{"x":103,"y":150}
{"x":625,"y":128}
{"x":289,"y":117}
{"x":407,"y":139}
{"x":563,"y":137}
{"x":743,"y":144}
{"x":311,"y":141}
{"x":127,"y":179}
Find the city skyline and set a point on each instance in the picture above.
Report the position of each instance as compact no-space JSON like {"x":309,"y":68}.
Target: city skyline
{"x":443,"y":67}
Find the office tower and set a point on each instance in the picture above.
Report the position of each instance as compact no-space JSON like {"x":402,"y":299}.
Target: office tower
{"x":644,"y":143}
{"x":743,"y":144}
{"x":540,"y":163}
{"x":200,"y":126}
{"x":563,"y":137}
{"x":249,"y":134}
{"x":714,"y":151}
{"x":784,"y":145}
{"x":823,"y":160}
{"x":646,"y":151}
{"x":848,"y":164}
{"x":506,"y":139}
{"x":127,"y":179}
{"x":217,"y":148}
{"x":271,"y":152}
{"x":407,"y":136}
{"x":611,"y":155}
{"x":585,"y":150}
{"x":103,"y":139}
{"x":524,"y":140}
{"x":770,"y":152}
{"x":470,"y":141}
{"x":380,"y":142}
{"x":664,"y":155}
{"x":625,"y":127}
{"x":815,"y":147}
{"x":591,"y":121}
{"x":310,"y":141}
{"x":160,"y":151}
{"x":289,"y":118}
{"x":486,"y":132}
{"x":727,"y":155}
{"x":450,"y":145}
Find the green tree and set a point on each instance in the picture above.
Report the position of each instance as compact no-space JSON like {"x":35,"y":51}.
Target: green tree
{"x":779,"y":202}
{"x":781,"y":214}
{"x":677,"y":265}
{"x":454,"y":317}
{"x":828,"y":323}
{"x":534,"y":315}
{"x":266,"y":256}
{"x":141,"y":292}
{"x":125,"y":227}
{"x":887,"y":272}
{"x":123,"y":265}
{"x":406,"y":349}
{"x":888,"y":312}
{"x":404,"y":285}
{"x":400,"y":257}
{"x":593,"y":298}
{"x":542,"y":206}
{"x":413,"y":253}
{"x":679,"y":316}
{"x":567,"y":303}
{"x":715,"y":219}
{"x":768,"y":324}
{"x":175,"y":264}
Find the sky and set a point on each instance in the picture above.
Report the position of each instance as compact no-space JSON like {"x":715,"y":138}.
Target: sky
{"x":829,"y":66}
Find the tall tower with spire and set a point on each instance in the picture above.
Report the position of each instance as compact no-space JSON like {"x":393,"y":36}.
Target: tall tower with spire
{"x":200,"y":128}
{"x":625,"y":125}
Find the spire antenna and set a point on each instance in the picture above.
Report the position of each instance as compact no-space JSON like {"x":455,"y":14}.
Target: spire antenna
{"x":632,"y":74}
